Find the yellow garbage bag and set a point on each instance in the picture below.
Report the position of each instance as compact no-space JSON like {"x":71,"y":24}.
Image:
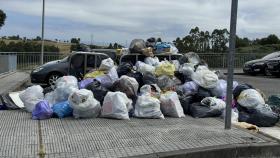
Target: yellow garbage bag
{"x":94,"y":74}
{"x":165,"y":68}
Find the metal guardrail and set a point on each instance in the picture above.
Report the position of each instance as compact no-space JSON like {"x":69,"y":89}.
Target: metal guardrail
{"x":219,"y":60}
{"x":28,"y":61}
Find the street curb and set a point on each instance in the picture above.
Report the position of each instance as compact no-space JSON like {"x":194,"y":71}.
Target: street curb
{"x":224,"y":151}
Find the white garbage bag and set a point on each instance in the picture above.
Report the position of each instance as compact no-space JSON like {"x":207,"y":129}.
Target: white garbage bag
{"x":84,"y":105}
{"x":147,"y":107}
{"x":190,"y":87}
{"x":145,"y":68}
{"x":177,"y":64}
{"x":153,"y":61}
{"x":214,"y":103}
{"x":170,"y":105}
{"x":108,"y":79}
{"x":202,"y":67}
{"x":234,"y":115}
{"x":106,"y":64}
{"x":205,"y":78}
{"x":116,"y":105}
{"x":31,"y":96}
{"x":250,"y":98}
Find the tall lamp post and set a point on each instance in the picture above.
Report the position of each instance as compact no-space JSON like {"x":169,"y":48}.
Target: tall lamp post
{"x":42,"y":36}
{"x":230,"y":59}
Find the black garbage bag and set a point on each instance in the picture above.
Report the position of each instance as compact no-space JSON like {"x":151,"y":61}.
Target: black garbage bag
{"x":202,"y":93}
{"x":186,"y":101}
{"x":180,"y":76}
{"x":137,"y":46}
{"x":200,"y":111}
{"x":151,"y":42}
{"x":138,"y":76}
{"x":7,"y":103}
{"x":274,"y":103}
{"x":262,"y":118}
{"x":124,"y":68}
{"x":149,"y":78}
{"x":98,"y":91}
{"x":241,"y":87}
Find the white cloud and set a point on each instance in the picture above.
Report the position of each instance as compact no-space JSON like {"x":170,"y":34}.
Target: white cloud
{"x":121,"y":20}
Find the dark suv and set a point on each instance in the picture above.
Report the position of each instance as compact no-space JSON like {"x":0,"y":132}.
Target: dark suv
{"x":76,"y":64}
{"x":259,"y":66}
{"x":273,"y":66}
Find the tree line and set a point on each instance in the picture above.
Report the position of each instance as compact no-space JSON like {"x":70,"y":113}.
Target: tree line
{"x":217,"y":41}
{"x":22,"y":46}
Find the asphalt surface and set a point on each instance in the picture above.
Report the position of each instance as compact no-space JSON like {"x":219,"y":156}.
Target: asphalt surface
{"x":267,"y":84}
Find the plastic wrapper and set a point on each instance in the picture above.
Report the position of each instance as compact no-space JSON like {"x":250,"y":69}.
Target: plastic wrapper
{"x":62,"y":109}
{"x":170,"y":105}
{"x":144,"y":68}
{"x":214,"y":103}
{"x":106,"y":64}
{"x":84,"y":105}
{"x":42,"y":111}
{"x":153,"y":61}
{"x":127,"y":85}
{"x":205,"y":78}
{"x":116,"y":105}
{"x":31,"y":96}
{"x":165,"y":68}
{"x":148,"y":107}
{"x":250,"y":98}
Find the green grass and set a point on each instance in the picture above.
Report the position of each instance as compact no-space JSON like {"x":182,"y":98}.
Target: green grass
{"x":262,"y":49}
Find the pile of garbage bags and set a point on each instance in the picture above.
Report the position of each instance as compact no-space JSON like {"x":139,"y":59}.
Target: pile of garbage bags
{"x":152,"y":89}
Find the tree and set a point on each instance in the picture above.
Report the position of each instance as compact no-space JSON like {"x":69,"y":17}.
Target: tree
{"x":159,"y":39}
{"x":75,"y":40}
{"x":219,"y":39}
{"x":2,"y":18}
{"x":110,"y":46}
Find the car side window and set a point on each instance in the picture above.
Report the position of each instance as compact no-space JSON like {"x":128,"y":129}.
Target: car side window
{"x":99,"y":59}
{"x":77,"y":66}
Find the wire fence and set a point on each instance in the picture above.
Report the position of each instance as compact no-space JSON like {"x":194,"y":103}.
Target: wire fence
{"x":28,"y":61}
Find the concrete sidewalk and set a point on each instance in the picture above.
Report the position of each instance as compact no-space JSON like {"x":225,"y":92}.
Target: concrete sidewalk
{"x":171,"y":137}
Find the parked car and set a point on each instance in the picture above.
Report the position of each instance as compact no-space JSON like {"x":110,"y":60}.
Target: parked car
{"x":273,"y":66}
{"x":259,"y":66}
{"x":76,"y":64}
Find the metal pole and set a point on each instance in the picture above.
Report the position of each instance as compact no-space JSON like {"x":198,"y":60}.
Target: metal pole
{"x":42,"y":37}
{"x":233,"y":21}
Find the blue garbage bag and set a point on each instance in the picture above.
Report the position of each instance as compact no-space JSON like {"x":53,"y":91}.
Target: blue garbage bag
{"x":42,"y":111}
{"x":162,"y":47}
{"x":62,"y":109}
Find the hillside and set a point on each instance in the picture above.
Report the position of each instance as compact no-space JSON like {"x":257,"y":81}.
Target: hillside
{"x":264,"y":49}
{"x":63,"y":47}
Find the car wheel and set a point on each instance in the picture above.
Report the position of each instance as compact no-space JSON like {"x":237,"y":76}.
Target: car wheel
{"x":266,"y":72}
{"x":52,"y":79}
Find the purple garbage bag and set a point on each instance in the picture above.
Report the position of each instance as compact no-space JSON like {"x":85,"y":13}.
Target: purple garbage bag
{"x":42,"y":111}
{"x":85,"y":82}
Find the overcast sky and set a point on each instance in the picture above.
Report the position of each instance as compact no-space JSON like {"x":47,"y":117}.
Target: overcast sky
{"x":123,"y":20}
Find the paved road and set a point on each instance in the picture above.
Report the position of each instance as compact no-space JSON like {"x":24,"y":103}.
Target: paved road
{"x":269,"y":85}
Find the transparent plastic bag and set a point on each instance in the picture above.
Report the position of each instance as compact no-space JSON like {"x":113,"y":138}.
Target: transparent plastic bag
{"x":250,"y":98}
{"x":127,"y":85}
{"x":147,"y":107}
{"x":144,"y":68}
{"x":205,"y":78}
{"x":214,"y":103}
{"x":170,"y":105}
{"x":116,"y":105}
{"x":153,"y":61}
{"x":31,"y":96}
{"x":190,"y":87}
{"x":165,"y":68}
{"x":62,"y":109}
{"x":84,"y":105}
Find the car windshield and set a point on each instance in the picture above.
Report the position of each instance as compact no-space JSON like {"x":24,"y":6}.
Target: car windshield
{"x":272,"y":55}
